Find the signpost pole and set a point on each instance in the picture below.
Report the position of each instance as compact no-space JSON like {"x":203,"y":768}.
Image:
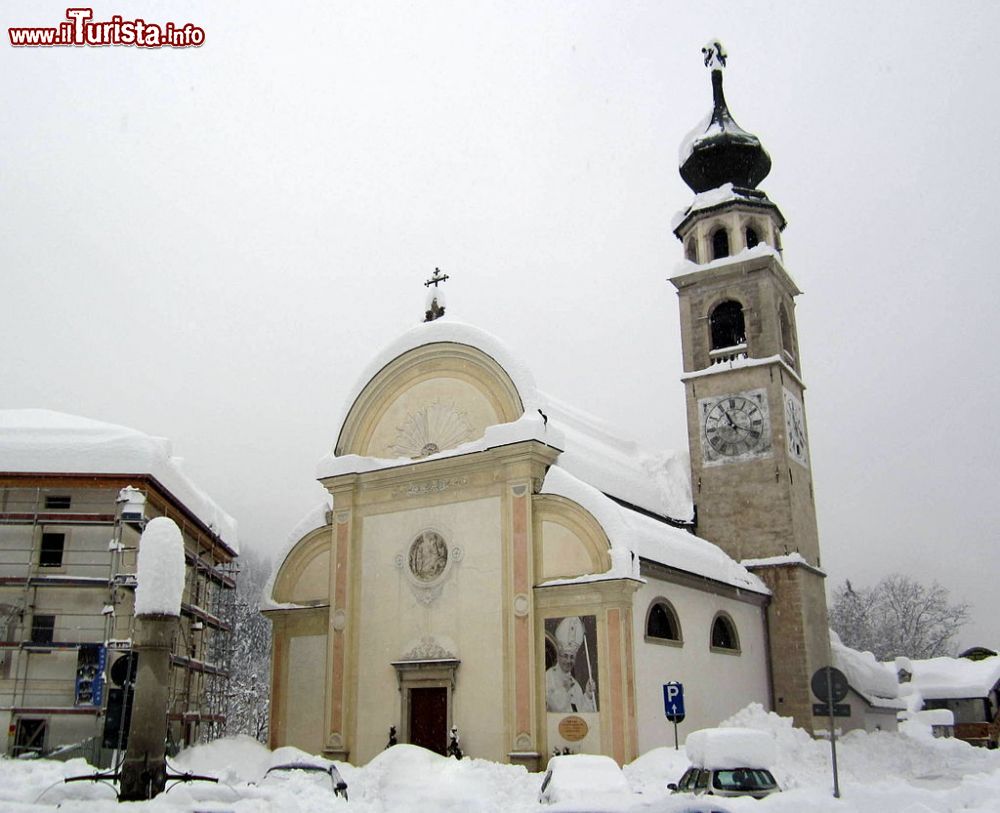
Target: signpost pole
{"x":676,"y":748}
{"x":833,"y":733}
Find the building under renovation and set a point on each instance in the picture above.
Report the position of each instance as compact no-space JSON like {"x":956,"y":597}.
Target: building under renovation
{"x":75,"y":495}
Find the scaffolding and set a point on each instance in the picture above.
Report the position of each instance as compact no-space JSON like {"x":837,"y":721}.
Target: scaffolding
{"x":67,"y":590}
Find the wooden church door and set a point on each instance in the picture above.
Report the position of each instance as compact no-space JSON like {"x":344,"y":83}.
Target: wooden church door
{"x":429,"y":718}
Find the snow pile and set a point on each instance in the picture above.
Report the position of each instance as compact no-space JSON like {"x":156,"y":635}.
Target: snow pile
{"x":43,"y":441}
{"x":934,"y":717}
{"x":722,"y":748}
{"x":408,"y":778}
{"x":160,"y":569}
{"x":866,"y":759}
{"x":879,"y":773}
{"x":654,"y":770}
{"x":36,"y":785}
{"x":585,"y":777}
{"x":867,"y":676}
{"x":233,"y":759}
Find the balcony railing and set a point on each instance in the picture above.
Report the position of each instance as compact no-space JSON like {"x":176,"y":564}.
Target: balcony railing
{"x":724,"y":354}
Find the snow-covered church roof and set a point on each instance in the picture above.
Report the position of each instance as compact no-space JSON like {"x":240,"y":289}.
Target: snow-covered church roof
{"x":621,"y":485}
{"x":41,"y":441}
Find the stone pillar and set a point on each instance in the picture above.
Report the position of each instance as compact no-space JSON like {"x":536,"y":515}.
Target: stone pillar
{"x":799,"y":637}
{"x":144,"y":772}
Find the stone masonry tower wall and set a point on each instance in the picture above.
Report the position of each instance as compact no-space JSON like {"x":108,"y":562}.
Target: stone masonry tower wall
{"x":750,"y":460}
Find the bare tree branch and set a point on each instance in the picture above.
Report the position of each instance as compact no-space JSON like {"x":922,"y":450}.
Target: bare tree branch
{"x":898,"y":616}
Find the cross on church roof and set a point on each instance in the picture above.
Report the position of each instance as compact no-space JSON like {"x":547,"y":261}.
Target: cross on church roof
{"x":435,"y":299}
{"x":714,"y":55}
{"x":438,"y":277}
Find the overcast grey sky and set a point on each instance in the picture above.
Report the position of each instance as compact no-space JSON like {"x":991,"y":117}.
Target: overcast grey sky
{"x":209,"y":244}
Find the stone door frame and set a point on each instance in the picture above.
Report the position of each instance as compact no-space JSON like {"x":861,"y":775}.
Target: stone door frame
{"x":424,"y":674}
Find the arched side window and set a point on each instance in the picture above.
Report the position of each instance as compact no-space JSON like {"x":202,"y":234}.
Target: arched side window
{"x":661,"y":623}
{"x":691,"y":250}
{"x":787,"y":340}
{"x":724,"y":635}
{"x":720,"y":243}
{"x":752,"y":238}
{"x":728,"y":327}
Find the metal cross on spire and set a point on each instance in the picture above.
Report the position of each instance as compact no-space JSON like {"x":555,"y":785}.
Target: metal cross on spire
{"x":435,"y":298}
{"x":714,"y":55}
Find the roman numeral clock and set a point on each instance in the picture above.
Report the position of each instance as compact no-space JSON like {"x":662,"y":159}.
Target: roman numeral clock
{"x":735,"y":427}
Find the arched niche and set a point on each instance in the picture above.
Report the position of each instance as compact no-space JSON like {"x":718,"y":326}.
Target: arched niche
{"x":304,"y":576}
{"x":429,"y":399}
{"x":569,"y":541}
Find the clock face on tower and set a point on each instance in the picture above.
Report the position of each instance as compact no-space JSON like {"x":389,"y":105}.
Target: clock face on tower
{"x":795,"y":429}
{"x":735,"y":427}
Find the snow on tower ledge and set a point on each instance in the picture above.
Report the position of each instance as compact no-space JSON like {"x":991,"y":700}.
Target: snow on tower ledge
{"x":160,"y":569}
{"x":41,"y":441}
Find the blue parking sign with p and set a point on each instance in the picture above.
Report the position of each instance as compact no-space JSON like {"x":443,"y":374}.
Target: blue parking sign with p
{"x":673,"y":701}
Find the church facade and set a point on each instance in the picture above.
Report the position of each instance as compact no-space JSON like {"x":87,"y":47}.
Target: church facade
{"x":490,"y":561}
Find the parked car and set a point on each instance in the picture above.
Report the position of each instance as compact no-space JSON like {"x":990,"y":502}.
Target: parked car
{"x":584,"y":778}
{"x":755,"y":782}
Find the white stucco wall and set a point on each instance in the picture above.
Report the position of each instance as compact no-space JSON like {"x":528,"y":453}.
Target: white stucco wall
{"x":305,"y":691}
{"x":464,"y":618}
{"x":716,"y":685}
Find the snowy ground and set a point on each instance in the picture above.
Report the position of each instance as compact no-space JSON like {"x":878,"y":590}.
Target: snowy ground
{"x":879,"y":773}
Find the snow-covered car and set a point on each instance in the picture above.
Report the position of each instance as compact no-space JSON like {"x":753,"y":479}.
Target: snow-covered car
{"x":588,"y":778}
{"x":337,"y":783}
{"x":728,"y":762}
{"x":756,"y":782}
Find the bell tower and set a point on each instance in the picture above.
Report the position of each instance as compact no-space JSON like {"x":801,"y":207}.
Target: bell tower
{"x":750,"y":458}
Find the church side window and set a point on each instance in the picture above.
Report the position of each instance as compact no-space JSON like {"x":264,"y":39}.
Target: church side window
{"x":752,"y":238}
{"x":720,"y":244}
{"x":661,"y":622}
{"x":724,"y":637}
{"x":727,"y":325}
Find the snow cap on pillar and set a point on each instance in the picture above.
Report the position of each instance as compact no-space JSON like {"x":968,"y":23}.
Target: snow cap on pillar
{"x":160,"y":569}
{"x":718,"y":151}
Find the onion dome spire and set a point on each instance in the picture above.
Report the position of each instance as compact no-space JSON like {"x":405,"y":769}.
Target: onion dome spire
{"x":719,"y":151}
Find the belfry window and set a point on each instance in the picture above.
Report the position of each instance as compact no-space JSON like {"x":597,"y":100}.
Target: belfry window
{"x":720,"y":244}
{"x":787,"y":342}
{"x":724,"y":635}
{"x":751,"y":236}
{"x":690,"y":251}
{"x":727,"y":325}
{"x":661,"y":622}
